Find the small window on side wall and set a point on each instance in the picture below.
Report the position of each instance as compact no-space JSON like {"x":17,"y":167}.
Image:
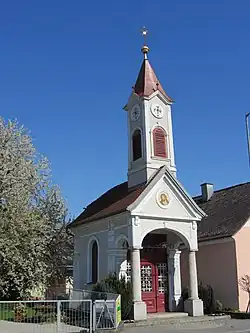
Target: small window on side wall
{"x":94,"y":266}
{"x":137,"y":147}
{"x":159,"y":142}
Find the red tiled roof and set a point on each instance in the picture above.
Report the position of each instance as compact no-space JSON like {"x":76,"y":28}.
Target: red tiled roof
{"x":114,"y":201}
{"x":147,"y":81}
{"x":227,"y":212}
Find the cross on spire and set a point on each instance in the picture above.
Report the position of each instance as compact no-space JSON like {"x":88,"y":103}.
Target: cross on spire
{"x":144,"y":32}
{"x":145,"y":48}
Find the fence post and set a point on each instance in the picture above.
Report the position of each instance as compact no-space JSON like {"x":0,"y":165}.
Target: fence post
{"x":90,"y":317}
{"x":115,"y":314}
{"x":58,"y":316}
{"x":94,"y":316}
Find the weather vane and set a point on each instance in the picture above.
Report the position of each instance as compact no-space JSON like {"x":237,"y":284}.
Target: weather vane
{"x":144,"y":32}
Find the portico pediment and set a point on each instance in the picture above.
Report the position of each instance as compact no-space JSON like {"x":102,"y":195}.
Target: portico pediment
{"x":164,"y":197}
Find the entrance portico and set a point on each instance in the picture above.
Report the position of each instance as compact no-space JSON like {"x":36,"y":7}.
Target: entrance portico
{"x":156,"y":278}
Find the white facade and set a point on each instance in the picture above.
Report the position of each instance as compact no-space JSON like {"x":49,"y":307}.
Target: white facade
{"x":178,"y":219}
{"x":108,"y":234}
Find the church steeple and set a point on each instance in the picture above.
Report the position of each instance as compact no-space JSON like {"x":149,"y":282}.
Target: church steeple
{"x":147,"y":82}
{"x":149,"y":126}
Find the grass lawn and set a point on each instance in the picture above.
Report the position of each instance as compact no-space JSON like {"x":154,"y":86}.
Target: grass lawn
{"x":7,"y":312}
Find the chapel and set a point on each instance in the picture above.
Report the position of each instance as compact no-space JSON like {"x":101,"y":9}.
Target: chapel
{"x":139,"y":228}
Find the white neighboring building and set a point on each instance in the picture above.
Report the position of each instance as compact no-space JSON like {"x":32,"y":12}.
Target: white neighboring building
{"x":138,"y":226}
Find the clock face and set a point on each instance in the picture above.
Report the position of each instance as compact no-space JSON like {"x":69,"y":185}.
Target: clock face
{"x":135,"y":112}
{"x":157,"y":110}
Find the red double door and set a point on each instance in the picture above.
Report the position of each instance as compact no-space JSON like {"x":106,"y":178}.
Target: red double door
{"x":154,"y":285}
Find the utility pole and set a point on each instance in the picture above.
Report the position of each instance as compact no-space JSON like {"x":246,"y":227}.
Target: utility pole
{"x":248,"y":136}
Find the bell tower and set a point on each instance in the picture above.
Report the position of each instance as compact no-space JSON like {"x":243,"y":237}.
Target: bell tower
{"x":150,"y":137}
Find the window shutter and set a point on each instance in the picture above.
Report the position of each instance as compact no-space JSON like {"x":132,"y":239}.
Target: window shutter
{"x":159,"y":140}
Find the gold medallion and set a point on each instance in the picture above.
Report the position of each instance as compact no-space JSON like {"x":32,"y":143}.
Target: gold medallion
{"x":162,"y":199}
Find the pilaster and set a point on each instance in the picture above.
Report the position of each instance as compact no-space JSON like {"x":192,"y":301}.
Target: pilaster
{"x":174,"y":279}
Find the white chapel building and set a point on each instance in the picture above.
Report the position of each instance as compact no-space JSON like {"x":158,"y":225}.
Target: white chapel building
{"x":139,"y":228}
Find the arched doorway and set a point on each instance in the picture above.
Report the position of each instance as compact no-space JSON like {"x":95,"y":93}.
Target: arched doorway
{"x":160,"y":270}
{"x":154,"y":273}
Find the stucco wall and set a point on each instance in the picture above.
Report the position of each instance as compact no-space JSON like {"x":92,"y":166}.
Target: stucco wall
{"x":106,"y":232}
{"x":216,"y":265}
{"x":242,"y":241}
{"x":81,"y":267}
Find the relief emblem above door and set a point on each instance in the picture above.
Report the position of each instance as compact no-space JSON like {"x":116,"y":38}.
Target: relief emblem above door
{"x":162,"y":199}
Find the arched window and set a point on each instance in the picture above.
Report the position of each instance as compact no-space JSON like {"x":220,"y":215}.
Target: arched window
{"x":94,"y":262}
{"x":137,"y":148}
{"x":160,"y":142}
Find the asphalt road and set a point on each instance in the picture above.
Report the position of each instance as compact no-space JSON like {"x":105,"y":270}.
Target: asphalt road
{"x":235,"y":326}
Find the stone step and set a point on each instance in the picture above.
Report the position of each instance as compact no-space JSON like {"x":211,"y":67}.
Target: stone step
{"x":166,"y":315}
{"x":180,"y":320}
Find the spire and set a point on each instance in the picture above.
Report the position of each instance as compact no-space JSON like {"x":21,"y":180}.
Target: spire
{"x":147,"y":81}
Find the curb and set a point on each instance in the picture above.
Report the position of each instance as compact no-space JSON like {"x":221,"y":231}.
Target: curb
{"x":186,"y":322}
{"x":180,"y":322}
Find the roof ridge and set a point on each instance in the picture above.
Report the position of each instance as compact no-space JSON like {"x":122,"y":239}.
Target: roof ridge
{"x":223,"y":189}
{"x":230,"y":187}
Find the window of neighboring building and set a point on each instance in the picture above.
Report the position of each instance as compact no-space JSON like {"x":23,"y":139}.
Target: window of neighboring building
{"x":137,"y":147}
{"x":159,"y":142}
{"x":94,"y":266}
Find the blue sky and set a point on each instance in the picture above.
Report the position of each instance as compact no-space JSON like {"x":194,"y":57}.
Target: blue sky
{"x":67,"y":68}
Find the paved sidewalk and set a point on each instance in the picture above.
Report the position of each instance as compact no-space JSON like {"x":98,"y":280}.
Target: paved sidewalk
{"x":9,"y":327}
{"x":235,"y":326}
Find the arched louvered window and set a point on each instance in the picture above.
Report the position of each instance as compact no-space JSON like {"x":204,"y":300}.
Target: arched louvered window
{"x":159,"y":142}
{"x":136,"y":142}
{"x":94,"y":263}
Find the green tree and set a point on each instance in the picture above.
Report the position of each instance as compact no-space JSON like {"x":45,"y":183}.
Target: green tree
{"x":34,"y":241}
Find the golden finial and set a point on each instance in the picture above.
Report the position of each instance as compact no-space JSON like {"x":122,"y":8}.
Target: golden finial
{"x":145,"y":48}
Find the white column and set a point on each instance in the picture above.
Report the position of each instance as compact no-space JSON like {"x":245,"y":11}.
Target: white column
{"x":193,"y":305}
{"x":140,"y":309}
{"x":136,"y":274}
{"x":174,"y":279}
{"x":193,"y":281}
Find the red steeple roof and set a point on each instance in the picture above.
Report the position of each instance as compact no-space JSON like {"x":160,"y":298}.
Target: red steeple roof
{"x":147,"y":81}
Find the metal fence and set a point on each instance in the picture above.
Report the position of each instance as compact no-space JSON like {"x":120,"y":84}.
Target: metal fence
{"x":106,"y":314}
{"x":79,"y":311}
{"x":46,"y":316}
{"x":106,"y":308}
